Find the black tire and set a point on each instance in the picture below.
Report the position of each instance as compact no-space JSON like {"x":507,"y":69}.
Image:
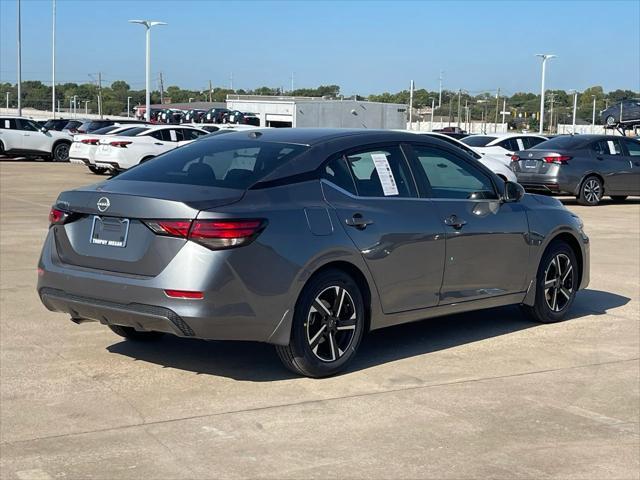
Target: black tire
{"x":132,"y":334}
{"x":97,"y":170}
{"x":146,"y":159}
{"x":315,"y":335}
{"x":553,"y":301}
{"x":591,"y":191}
{"x":610,"y":121}
{"x":60,"y":152}
{"x":618,"y":198}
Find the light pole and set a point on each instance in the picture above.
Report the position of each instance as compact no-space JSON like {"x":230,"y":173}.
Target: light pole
{"x":19,"y":32}
{"x":433,"y":107}
{"x":190,"y":99}
{"x":575,"y":104}
{"x":545,"y":57}
{"x":7,"y":101}
{"x":75,"y":105}
{"x":128,"y":107}
{"x":53,"y":61}
{"x":593,"y":115}
{"x":86,"y":108}
{"x":148,"y":24}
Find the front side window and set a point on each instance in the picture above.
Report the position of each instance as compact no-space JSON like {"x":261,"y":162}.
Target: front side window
{"x":337,"y":172}
{"x":381,"y":173}
{"x":530,"y":142}
{"x":191,"y":134}
{"x":28,"y":125}
{"x":633,"y":146}
{"x":452,"y":177}
{"x":478,"y":140}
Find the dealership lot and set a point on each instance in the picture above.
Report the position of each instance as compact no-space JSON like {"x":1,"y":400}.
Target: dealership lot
{"x":474,"y":395}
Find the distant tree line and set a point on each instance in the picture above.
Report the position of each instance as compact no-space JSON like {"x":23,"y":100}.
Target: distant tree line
{"x":521,"y":105}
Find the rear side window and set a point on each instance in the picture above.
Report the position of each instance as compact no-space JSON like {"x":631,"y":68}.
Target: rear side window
{"x":217,"y":162}
{"x":607,"y":147}
{"x":102,"y":131}
{"x":381,"y":173}
{"x":478,"y":140}
{"x":530,"y":142}
{"x":132,"y":132}
{"x":337,"y":172}
{"x":452,"y":177}
{"x":191,"y":134}
{"x":8,"y":124}
{"x":512,"y":144}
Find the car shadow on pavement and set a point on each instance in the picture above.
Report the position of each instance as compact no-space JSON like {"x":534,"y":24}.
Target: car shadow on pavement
{"x":605,"y":202}
{"x":257,"y":362}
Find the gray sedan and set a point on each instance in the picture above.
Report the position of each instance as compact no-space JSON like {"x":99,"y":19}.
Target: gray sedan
{"x":306,"y":239}
{"x":587,"y":166}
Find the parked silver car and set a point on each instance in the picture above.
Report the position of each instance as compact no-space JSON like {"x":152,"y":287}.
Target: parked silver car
{"x":306,"y":239}
{"x":587,"y":166}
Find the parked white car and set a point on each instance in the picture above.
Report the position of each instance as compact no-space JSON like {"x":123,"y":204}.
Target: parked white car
{"x":497,"y":167}
{"x":85,"y":145}
{"x":502,"y":146}
{"x":20,"y":136}
{"x":120,"y":152}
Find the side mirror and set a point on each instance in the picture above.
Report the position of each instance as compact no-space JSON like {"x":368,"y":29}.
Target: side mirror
{"x":513,"y":192}
{"x":44,"y":129}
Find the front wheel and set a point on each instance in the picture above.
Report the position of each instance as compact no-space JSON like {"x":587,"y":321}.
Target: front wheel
{"x":61,"y":152}
{"x":328,"y":324}
{"x":97,"y":170}
{"x":556,"y":284}
{"x":591,"y":191}
{"x":610,"y":120}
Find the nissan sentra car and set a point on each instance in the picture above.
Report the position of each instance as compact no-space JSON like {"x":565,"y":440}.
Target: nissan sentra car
{"x":306,"y":239}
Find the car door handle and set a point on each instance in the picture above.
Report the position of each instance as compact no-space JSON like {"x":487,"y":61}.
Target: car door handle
{"x":358,"y":221}
{"x":455,"y":222}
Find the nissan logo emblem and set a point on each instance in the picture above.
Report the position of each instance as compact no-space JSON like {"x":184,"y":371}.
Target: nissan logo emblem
{"x":103,"y":203}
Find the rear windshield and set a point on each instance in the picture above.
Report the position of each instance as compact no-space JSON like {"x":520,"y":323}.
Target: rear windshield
{"x":565,"y":142}
{"x":103,"y":130}
{"x":478,"y":140}
{"x":133,"y":131}
{"x":217,"y":162}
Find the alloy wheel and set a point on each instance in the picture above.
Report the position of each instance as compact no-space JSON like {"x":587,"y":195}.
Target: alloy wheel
{"x":558,"y":282}
{"x":61,"y":153}
{"x":331,"y":323}
{"x":592,"y":191}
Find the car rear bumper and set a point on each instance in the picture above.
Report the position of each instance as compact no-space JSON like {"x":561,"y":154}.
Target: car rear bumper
{"x":80,"y":161}
{"x":537,"y":182}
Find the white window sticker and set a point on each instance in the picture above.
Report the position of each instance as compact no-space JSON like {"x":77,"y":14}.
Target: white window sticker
{"x":6,"y":124}
{"x":173,"y":136}
{"x":385,"y":174}
{"x":612,"y":147}
{"x":520,"y":144}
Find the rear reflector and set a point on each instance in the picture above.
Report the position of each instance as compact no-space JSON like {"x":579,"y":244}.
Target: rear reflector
{"x":557,"y":158}
{"x":213,"y":234}
{"x":184,"y":294}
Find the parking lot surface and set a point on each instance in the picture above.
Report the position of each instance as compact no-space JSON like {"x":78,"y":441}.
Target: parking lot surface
{"x":478,"y":395}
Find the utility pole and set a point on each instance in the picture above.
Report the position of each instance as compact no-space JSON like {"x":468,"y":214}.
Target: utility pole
{"x":466,"y":114}
{"x":292,"y":83}
{"x":161,"y":89}
{"x":440,"y":91}
{"x":495,"y":124}
{"x":231,"y":82}
{"x":551,"y":99}
{"x":7,"y":101}
{"x":53,"y":62}
{"x":575,"y":105}
{"x":19,"y":64}
{"x":210,"y":91}
{"x":504,"y":109}
{"x":593,"y":115}
{"x":544,"y":57}
{"x":128,"y":107}
{"x":411,"y":105}
{"x":100,"y":94}
{"x":433,"y":105}
{"x":459,"y":93}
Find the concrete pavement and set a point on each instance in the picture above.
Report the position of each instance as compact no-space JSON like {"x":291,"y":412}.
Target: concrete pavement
{"x":487,"y":394}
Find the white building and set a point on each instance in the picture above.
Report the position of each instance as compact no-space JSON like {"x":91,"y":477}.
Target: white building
{"x":319,"y":112}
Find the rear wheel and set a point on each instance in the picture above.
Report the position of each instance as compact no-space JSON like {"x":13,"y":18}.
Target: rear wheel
{"x":133,"y":334}
{"x":60,"y":152}
{"x":591,"y":191}
{"x":328,"y":324}
{"x":556,"y":284}
{"x":618,"y":198}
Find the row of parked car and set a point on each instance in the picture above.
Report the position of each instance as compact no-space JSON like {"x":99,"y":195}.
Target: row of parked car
{"x":197,"y":115}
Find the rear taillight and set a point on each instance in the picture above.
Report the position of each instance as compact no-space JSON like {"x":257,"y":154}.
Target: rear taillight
{"x":186,"y":294}
{"x":213,"y":234}
{"x":557,"y":158}
{"x":120,"y":144}
{"x":515,"y":158}
{"x":57,"y":216}
{"x":90,"y":141}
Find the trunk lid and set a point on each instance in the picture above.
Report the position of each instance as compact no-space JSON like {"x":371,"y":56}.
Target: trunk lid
{"x":533,"y":161}
{"x":107,"y":229}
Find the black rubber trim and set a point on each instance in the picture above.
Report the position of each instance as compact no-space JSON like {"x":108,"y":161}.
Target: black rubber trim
{"x":154,"y":310}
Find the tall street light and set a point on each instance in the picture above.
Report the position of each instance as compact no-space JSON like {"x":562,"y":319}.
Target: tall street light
{"x":128,"y":107}
{"x":53,"y":61}
{"x":148,"y":24}
{"x":19,"y":32}
{"x":575,"y":105}
{"x":545,"y":57}
{"x":593,"y":115}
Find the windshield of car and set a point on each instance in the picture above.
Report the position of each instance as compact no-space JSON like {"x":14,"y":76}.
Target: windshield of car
{"x":216,"y":162}
{"x":103,"y":130}
{"x":564,"y":142}
{"x":478,"y":140}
